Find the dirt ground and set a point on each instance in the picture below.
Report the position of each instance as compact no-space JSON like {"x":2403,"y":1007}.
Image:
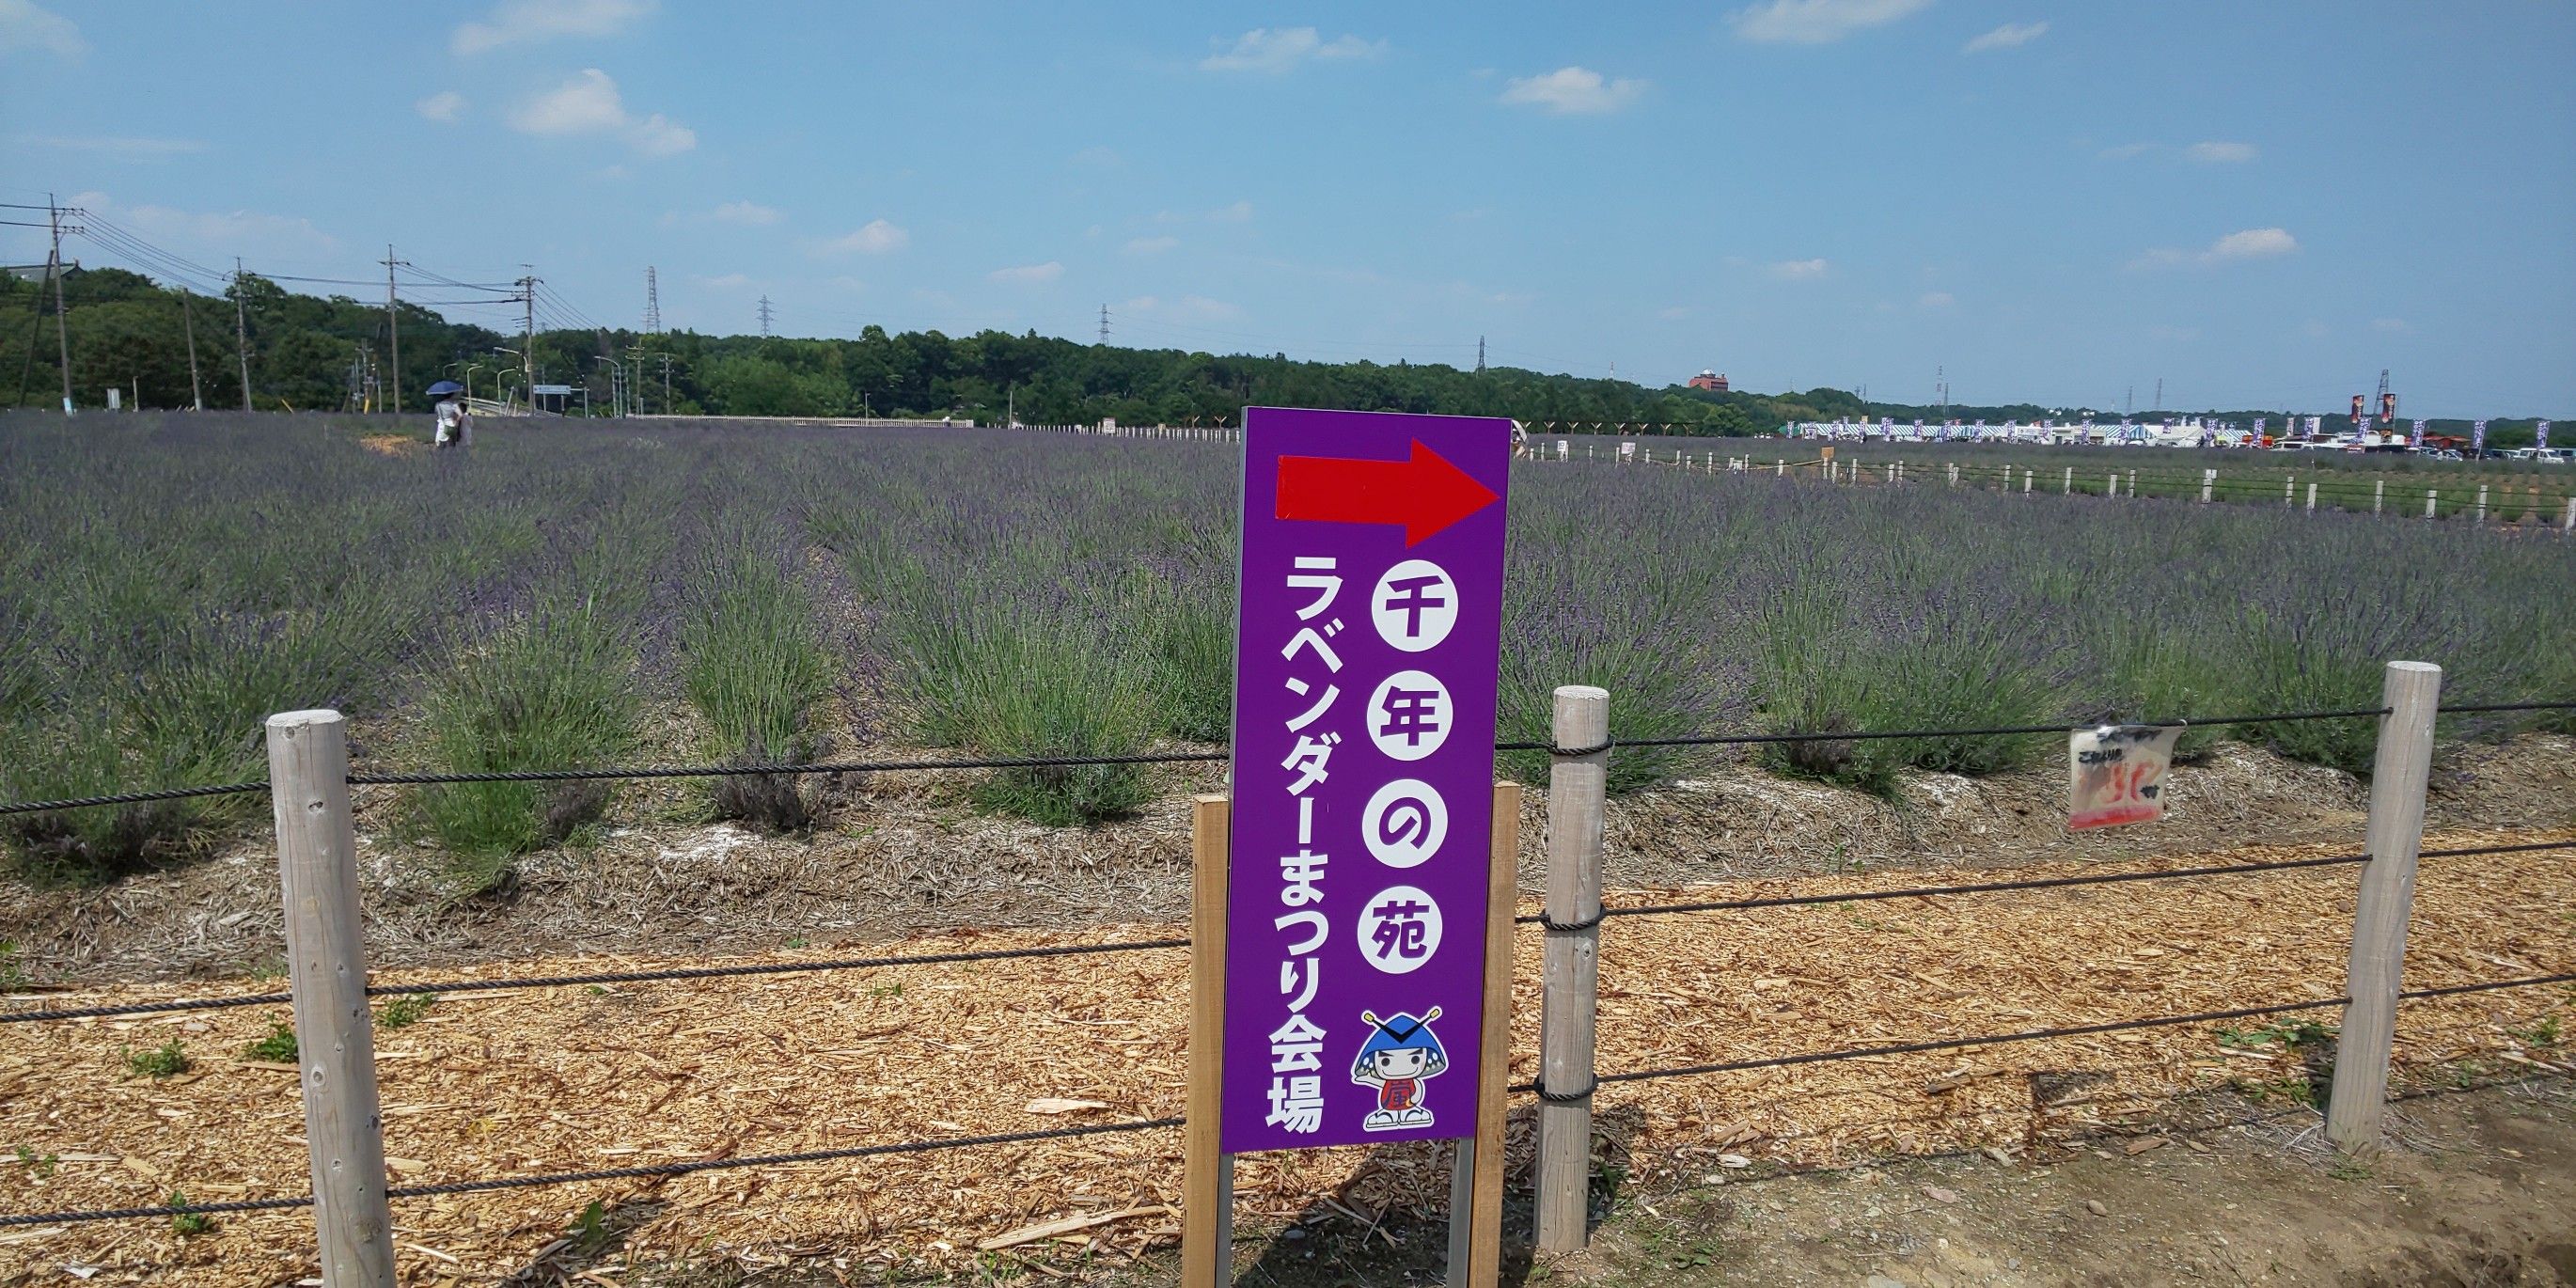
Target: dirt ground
{"x":526,"y":1081}
{"x":907,"y":853}
{"x":2480,"y":1193}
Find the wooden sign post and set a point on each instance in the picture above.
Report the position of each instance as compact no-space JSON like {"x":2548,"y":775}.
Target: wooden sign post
{"x":1475,"y":1180}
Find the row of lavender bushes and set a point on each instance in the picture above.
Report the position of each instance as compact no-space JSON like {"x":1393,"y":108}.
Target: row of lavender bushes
{"x":541,"y":602}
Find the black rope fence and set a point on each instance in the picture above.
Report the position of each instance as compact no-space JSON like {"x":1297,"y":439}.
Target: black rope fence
{"x":2027,"y":1035}
{"x":497,"y":984}
{"x":1182,"y":757}
{"x":647,"y":1171}
{"x":1982,"y":887}
{"x":657,"y":1171}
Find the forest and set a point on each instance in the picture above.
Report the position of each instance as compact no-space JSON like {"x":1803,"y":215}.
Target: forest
{"x":311,"y":353}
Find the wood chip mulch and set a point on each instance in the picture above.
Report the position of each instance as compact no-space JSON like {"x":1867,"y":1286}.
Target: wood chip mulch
{"x":523,"y":1082}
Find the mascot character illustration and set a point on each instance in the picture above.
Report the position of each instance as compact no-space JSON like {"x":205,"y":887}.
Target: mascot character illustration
{"x":1400,"y":1055}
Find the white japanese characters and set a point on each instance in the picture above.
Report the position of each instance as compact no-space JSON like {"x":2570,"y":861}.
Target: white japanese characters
{"x":1414,"y":606}
{"x":1405,"y":823}
{"x":1399,"y":929}
{"x":1409,"y":715}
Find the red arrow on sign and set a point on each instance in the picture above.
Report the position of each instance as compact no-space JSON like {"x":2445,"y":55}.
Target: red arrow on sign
{"x":1424,"y":493}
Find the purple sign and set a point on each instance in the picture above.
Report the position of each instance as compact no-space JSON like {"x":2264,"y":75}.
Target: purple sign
{"x":1367,"y":648}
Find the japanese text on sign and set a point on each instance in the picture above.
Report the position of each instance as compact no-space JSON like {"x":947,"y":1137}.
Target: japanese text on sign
{"x":1368,"y":643}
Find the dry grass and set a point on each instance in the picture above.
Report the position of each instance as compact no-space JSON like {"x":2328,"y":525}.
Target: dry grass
{"x":519,"y":1082}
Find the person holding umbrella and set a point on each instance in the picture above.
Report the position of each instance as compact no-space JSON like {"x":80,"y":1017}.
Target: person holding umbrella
{"x":455,"y":424}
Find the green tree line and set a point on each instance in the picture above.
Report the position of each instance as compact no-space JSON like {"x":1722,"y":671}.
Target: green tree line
{"x":129,"y":332}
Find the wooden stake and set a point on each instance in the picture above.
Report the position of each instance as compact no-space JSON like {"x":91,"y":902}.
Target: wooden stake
{"x":1576,"y":789}
{"x":2413,"y":693}
{"x":326,"y":968}
{"x":1476,"y":1187}
{"x":1207,"y":1180}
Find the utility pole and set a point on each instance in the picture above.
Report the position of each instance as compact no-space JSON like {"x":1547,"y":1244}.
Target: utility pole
{"x":62,"y":332}
{"x":393,"y":327}
{"x":528,"y":335}
{"x":188,"y":315}
{"x":764,"y":317}
{"x":666,"y":384}
{"x":241,"y":329}
{"x":2160,"y":393}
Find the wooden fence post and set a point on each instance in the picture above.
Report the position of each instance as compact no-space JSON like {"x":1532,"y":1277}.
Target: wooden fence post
{"x":1476,"y":1180}
{"x":1207,"y":1175}
{"x":326,"y":968}
{"x":2413,"y":693}
{"x":1576,"y":789}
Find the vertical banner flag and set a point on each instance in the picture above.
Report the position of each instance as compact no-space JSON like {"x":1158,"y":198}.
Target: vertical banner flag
{"x":2540,"y":435}
{"x":2258,"y":426}
{"x":1368,"y":643}
{"x":2415,"y":436}
{"x":2478,"y":436}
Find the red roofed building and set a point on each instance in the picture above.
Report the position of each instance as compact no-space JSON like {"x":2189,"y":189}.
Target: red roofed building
{"x":1709,"y":380}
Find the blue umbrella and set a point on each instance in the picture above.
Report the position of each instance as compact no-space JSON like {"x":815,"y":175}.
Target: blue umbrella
{"x":446,"y":387}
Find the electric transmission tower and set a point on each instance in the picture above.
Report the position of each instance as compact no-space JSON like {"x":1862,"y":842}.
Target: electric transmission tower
{"x":1480,"y":353}
{"x":764,"y":317}
{"x":652,"y":303}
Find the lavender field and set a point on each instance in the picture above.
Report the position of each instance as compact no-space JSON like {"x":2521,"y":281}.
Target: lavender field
{"x":573,"y":595}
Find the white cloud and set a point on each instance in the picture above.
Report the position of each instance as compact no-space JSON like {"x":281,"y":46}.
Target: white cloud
{"x":2011,"y":35}
{"x":1027,"y":274}
{"x":1150,"y":245}
{"x":2215,"y":153}
{"x":25,"y":25}
{"x":522,"y":21}
{"x":214,"y":237}
{"x":875,"y":237}
{"x":2250,"y":243}
{"x":2126,"y":150}
{"x":2254,"y":243}
{"x":1817,"y":22}
{"x":445,"y":105}
{"x":121,"y":148}
{"x":1798,"y":270}
{"x":1275,"y":50}
{"x":590,"y":104}
{"x":1573,"y":91}
{"x":657,"y":136}
{"x":1937,"y":300}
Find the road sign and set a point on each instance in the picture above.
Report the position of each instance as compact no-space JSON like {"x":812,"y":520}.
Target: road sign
{"x":561,"y":391}
{"x":1368,"y":642}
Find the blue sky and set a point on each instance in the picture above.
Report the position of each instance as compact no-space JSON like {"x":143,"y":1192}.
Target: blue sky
{"x":2261,"y":204}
